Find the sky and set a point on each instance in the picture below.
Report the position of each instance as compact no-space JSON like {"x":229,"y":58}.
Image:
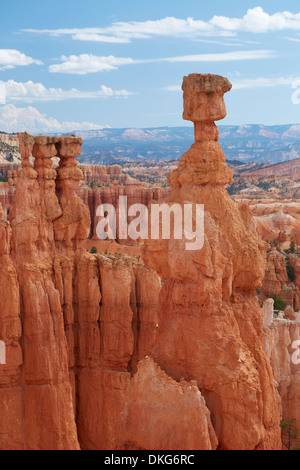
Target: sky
{"x":74,"y":65}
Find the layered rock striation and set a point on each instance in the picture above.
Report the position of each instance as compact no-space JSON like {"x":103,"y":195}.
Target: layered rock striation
{"x":99,"y":185}
{"x":132,"y":190}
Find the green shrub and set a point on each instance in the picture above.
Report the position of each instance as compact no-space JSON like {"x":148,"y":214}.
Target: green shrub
{"x":290,"y":272}
{"x":290,"y":434}
{"x":3,"y":178}
{"x":279,"y":304}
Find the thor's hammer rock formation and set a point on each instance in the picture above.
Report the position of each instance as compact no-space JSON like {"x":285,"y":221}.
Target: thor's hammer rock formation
{"x":210,"y":322}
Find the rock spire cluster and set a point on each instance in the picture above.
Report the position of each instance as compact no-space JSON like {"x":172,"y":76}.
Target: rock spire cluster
{"x":104,"y":352}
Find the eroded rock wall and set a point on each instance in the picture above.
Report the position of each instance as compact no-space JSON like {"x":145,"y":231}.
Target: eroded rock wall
{"x":77,"y":326}
{"x":279,"y":344}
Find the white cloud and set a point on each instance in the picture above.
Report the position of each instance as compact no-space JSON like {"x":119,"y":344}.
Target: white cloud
{"x":263,"y":82}
{"x":30,"y":92}
{"x":221,"y":42}
{"x":173,"y":88}
{"x":125,"y":31}
{"x":2,"y":93}
{"x":10,"y":58}
{"x":222,"y":57}
{"x":244,"y":83}
{"x":256,"y":20}
{"x":13,"y":119}
{"x":88,"y":63}
{"x":292,"y":39}
{"x":85,"y":36}
{"x":81,"y":34}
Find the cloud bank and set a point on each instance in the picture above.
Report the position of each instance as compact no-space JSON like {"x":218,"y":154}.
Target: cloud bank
{"x":89,"y":63}
{"x":261,"y":82}
{"x":256,"y":20}
{"x":29,"y":119}
{"x":30,"y":92}
{"x":11,"y":58}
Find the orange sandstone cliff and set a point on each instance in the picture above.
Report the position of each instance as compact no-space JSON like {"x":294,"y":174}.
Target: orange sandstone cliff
{"x":132,"y":189}
{"x":78,"y":328}
{"x":104,"y":352}
{"x":279,"y":338}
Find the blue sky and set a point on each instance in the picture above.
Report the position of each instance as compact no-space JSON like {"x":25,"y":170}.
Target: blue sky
{"x":67,"y":65}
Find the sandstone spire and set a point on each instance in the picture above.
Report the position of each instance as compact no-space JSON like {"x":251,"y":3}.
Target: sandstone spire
{"x":210,"y":324}
{"x":48,"y":417}
{"x":204,"y":103}
{"x":11,"y":426}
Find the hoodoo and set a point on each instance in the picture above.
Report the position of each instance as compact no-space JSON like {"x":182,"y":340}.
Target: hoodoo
{"x":210,"y":322}
{"x":107,"y":352}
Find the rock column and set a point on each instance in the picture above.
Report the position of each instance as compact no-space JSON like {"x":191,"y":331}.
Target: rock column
{"x":48,"y":418}
{"x":268,"y":312}
{"x":210,"y":325}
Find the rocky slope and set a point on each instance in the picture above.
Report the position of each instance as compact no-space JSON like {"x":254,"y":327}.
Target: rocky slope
{"x":290,"y":169}
{"x":281,"y":278}
{"x":9,"y":149}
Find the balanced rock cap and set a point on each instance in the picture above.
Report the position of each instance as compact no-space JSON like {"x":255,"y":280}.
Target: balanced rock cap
{"x":206,"y":83}
{"x":203,"y":97}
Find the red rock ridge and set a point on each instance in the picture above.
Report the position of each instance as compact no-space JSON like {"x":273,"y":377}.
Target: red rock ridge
{"x":290,"y":169}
